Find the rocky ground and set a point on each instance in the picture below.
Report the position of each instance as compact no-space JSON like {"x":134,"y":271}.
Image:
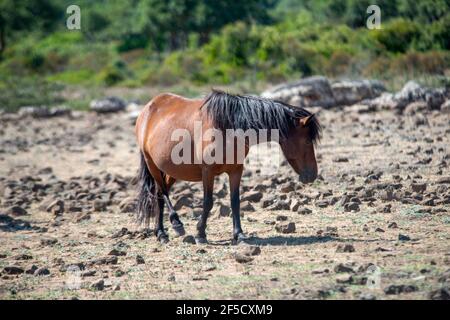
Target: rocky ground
{"x":375,"y":225}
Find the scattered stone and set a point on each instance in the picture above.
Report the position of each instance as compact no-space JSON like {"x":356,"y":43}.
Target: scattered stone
{"x":344,"y":278}
{"x":397,"y":289}
{"x":140,"y":260}
{"x":418,"y":187}
{"x":98,"y":285}
{"x":189,"y":239}
{"x":105,"y":260}
{"x":250,"y":250}
{"x":343,"y":268}
{"x":42,"y":272}
{"x":115,"y":252}
{"x":254,"y":196}
{"x":367,"y":296}
{"x":13,"y":270}
{"x":281,"y":218}
{"x":16,"y":211}
{"x":340,"y":159}
{"x":241,"y":258}
{"x":56,"y":207}
{"x":109,"y":104}
{"x":345,"y":248}
{"x":285,"y":227}
{"x":20,"y":257}
{"x":304,"y":211}
{"x":393,"y":225}
{"x":403,"y":237}
{"x":351,"y":206}
{"x":247,"y":206}
{"x":223,"y":210}
{"x":440,"y":294}
{"x":48,"y":242}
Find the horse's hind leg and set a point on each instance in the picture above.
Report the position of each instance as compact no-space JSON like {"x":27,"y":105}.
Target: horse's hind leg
{"x":160,"y":232}
{"x":174,"y":219}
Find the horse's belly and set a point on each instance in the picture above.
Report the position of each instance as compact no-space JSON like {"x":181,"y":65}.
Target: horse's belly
{"x":187,"y":172}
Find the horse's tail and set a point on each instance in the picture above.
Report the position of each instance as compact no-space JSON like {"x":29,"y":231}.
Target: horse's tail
{"x":147,"y":200}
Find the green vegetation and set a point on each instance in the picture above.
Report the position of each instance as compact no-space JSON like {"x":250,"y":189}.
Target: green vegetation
{"x":213,"y":42}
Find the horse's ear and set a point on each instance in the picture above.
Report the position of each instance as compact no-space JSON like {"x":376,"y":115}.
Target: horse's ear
{"x":305,"y":120}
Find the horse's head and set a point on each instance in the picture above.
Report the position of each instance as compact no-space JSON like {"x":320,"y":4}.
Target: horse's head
{"x":298,"y":147}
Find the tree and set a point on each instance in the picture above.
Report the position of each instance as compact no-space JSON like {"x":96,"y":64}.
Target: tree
{"x":20,"y":15}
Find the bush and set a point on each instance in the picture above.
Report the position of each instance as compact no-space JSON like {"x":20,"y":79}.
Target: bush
{"x":397,"y":35}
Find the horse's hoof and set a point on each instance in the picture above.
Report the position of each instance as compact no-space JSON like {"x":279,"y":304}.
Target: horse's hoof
{"x":179,"y":230}
{"x":163,"y":237}
{"x":199,"y":240}
{"x":241,"y":238}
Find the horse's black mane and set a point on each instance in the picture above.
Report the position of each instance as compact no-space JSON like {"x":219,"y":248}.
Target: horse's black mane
{"x":249,"y":112}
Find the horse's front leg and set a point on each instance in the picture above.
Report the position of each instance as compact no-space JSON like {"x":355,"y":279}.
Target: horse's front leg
{"x":235,"y":182}
{"x":208,"y":186}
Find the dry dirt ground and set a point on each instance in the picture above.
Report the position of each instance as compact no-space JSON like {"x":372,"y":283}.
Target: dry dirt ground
{"x":375,"y":225}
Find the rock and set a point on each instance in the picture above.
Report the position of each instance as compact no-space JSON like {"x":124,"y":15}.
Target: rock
{"x":128,"y":205}
{"x":351,"y":206}
{"x":344,"y":278}
{"x":32,"y":269}
{"x":250,"y":250}
{"x":118,"y":253}
{"x":48,"y":242}
{"x":285,"y":227}
{"x":311,"y":91}
{"x":403,"y":237}
{"x":393,"y":225}
{"x":295,"y":205}
{"x":347,"y":92}
{"x":443,"y":180}
{"x":343,"y":268}
{"x":280,"y":205}
{"x":56,"y":207}
{"x":42,"y":272}
{"x":101,"y":205}
{"x":140,"y":260}
{"x":109,"y":104}
{"x":16,"y":211}
{"x":247,"y":206}
{"x":445,"y":107}
{"x":13,"y":270}
{"x":340,"y":159}
{"x":105,"y":261}
{"x":189,"y":239}
{"x":281,"y":218}
{"x":242,"y":258}
{"x":20,"y":257}
{"x":35,"y":112}
{"x":367,"y":296}
{"x":440,"y":294}
{"x":183,"y":201}
{"x":304,"y":211}
{"x":418,"y":187}
{"x":254,"y":196}
{"x":345,"y":248}
{"x":98,"y":285}
{"x":397,"y":289}
{"x":223,"y":211}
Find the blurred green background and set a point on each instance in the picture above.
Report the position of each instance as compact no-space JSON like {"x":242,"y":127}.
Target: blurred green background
{"x":188,"y":45}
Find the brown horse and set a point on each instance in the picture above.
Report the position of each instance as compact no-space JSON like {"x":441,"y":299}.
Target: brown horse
{"x":298,"y":131}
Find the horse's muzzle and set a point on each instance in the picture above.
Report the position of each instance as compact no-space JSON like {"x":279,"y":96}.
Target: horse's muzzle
{"x":308,"y":175}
